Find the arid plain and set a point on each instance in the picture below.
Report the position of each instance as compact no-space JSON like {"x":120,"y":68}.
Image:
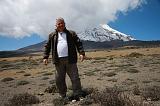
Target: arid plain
{"x":136,"y":71}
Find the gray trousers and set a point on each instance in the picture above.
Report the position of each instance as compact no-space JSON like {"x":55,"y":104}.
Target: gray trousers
{"x":62,"y":68}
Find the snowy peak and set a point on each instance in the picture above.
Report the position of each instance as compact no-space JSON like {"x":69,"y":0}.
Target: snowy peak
{"x":115,"y":32}
{"x":104,"y":33}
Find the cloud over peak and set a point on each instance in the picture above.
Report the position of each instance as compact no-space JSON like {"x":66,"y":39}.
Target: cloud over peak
{"x":19,"y":18}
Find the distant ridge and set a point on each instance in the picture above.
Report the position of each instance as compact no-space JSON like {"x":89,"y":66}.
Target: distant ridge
{"x":88,"y":45}
{"x":35,"y":47}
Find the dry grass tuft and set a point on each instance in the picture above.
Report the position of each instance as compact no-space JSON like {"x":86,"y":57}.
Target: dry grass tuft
{"x":20,"y":72}
{"x":47,"y":74}
{"x":45,"y":78}
{"x":134,"y":54}
{"x":151,"y":93}
{"x":108,"y":97}
{"x":51,"y":89}
{"x":52,"y":82}
{"x":89,"y":73}
{"x":59,"y":102}
{"x":114,"y":97}
{"x":22,"y":100}
{"x":109,"y":74}
{"x":27,"y":74}
{"x":7,"y":79}
{"x":132,"y":70}
{"x":23,"y":82}
{"x":136,"y":90}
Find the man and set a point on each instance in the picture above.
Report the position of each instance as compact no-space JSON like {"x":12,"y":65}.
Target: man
{"x":64,"y":45}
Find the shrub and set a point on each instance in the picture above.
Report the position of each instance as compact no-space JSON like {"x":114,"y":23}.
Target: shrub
{"x":128,"y":82}
{"x":136,"y":90}
{"x":83,"y":94}
{"x":132,"y":70}
{"x":7,"y":79}
{"x":22,"y":83}
{"x":152,"y":93}
{"x":20,"y":72}
{"x":59,"y":102}
{"x":108,"y":97}
{"x":27,"y":74}
{"x":147,"y":81}
{"x":51,"y":89}
{"x":22,"y":100}
{"x":89,"y":73}
{"x":46,"y":74}
{"x":113,"y":80}
{"x":45,"y":78}
{"x":24,"y":60}
{"x":113,"y":97}
{"x":52,"y":81}
{"x":135,"y":54}
{"x":110,"y":74}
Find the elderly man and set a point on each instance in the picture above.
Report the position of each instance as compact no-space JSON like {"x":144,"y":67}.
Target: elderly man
{"x":64,"y":45}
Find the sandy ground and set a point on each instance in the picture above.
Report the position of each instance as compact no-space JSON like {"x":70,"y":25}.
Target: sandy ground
{"x":101,"y":69}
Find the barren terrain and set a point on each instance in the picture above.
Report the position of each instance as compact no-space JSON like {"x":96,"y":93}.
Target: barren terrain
{"x":131,"y":70}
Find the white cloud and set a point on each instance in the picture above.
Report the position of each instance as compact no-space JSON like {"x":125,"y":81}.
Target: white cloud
{"x":19,"y":18}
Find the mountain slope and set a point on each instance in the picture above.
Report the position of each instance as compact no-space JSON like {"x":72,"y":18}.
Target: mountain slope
{"x":88,"y":45}
{"x":35,"y":47}
{"x":103,"y":33}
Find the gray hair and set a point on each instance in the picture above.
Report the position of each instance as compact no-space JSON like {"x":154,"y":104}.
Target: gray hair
{"x":60,"y":19}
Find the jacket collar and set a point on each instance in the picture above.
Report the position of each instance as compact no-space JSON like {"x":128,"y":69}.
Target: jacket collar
{"x":55,"y":33}
{"x":65,"y":30}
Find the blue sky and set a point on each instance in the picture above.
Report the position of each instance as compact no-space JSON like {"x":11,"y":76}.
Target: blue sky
{"x":141,"y":22}
{"x":8,"y":43}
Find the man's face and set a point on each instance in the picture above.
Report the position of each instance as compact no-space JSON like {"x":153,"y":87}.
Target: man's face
{"x":60,"y":25}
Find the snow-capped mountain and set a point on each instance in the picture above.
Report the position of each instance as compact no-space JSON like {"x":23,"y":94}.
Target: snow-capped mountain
{"x":104,"y":33}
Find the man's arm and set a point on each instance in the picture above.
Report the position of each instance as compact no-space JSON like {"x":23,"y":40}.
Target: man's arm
{"x":47,"y":49}
{"x":79,"y":46}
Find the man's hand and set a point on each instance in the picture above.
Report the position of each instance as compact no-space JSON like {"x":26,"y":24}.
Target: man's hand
{"x":82,"y":57}
{"x":45,"y":61}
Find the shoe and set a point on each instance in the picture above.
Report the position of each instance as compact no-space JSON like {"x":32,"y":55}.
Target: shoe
{"x":65,"y":100}
{"x":62,"y":96}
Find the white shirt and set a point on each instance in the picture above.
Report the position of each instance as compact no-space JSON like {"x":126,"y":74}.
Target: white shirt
{"x":62,"y":47}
